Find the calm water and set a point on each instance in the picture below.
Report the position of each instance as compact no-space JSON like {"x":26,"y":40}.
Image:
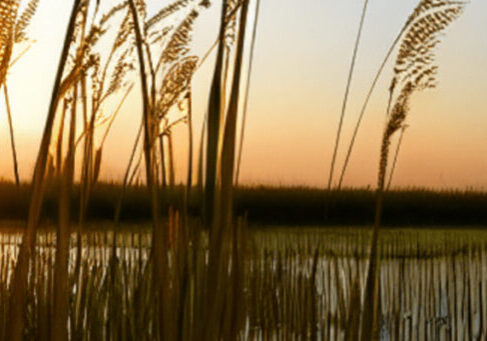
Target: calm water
{"x":433,"y":282}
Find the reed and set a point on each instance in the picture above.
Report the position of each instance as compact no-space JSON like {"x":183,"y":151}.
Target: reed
{"x":214,"y":121}
{"x":159,"y":234}
{"x":279,"y":297}
{"x":12,"y":138}
{"x":181,"y":278}
{"x":414,"y":70}
{"x":220,"y":233}
{"x":247,"y":92}
{"x":13,"y":31}
{"x":396,"y":155}
{"x":345,"y":97}
{"x":9,"y":10}
{"x":189,"y":176}
{"x":59,"y":325}
{"x":19,"y":281}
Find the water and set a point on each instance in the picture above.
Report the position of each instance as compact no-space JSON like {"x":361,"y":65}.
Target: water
{"x":300,"y":281}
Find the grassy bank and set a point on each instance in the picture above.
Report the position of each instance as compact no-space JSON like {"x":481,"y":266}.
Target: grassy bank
{"x":273,"y":205}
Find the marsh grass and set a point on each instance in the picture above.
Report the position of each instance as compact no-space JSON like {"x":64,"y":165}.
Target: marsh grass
{"x":12,"y":138}
{"x":25,"y":258}
{"x":287,"y":206}
{"x":431,"y":283}
{"x":247,"y":92}
{"x":12,"y":32}
{"x":213,"y":123}
{"x":414,"y":71}
{"x":345,"y":96}
{"x":81,"y":71}
{"x":396,"y":155}
{"x":210,"y":277}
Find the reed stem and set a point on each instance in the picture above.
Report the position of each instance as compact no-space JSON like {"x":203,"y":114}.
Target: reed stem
{"x":396,"y":154}
{"x":345,"y":98}
{"x":365,"y":104}
{"x":19,"y":281}
{"x":247,"y":91}
{"x":12,"y":137}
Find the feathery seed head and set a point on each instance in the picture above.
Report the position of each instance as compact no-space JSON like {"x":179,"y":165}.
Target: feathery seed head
{"x":8,"y":15}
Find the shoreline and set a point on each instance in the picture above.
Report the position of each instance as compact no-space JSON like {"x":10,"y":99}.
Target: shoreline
{"x":282,"y":206}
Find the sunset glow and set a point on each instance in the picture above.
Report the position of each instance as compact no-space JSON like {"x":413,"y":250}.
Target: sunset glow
{"x":303,"y":51}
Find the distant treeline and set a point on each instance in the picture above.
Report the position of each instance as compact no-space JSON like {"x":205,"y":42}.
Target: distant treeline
{"x":271,"y":205}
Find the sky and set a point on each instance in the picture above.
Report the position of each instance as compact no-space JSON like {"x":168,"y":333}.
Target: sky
{"x":303,"y":52}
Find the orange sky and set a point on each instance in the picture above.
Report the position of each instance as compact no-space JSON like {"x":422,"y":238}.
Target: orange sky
{"x":302,"y":56}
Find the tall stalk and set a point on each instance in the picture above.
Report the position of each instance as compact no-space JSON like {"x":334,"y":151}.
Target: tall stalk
{"x":12,"y":138}
{"x":247,"y":91}
{"x":345,"y":97}
{"x":162,"y":158}
{"x":59,"y":324}
{"x":159,"y":234}
{"x":13,"y":30}
{"x":422,"y":7}
{"x":84,"y":180}
{"x":99,"y":151}
{"x":220,"y":233}
{"x":60,"y":139}
{"x":396,"y":155}
{"x":214,"y":122}
{"x":414,"y":71}
{"x":370,"y":306}
{"x":365,"y":104}
{"x":19,"y":281}
{"x":229,"y":137}
{"x":170,"y":154}
{"x":126,"y":182}
{"x":189,"y":178}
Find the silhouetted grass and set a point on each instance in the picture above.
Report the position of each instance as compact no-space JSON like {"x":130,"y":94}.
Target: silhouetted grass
{"x":287,"y":206}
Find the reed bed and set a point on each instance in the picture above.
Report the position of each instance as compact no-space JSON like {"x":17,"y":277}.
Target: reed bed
{"x":210,"y":277}
{"x":297,"y":284}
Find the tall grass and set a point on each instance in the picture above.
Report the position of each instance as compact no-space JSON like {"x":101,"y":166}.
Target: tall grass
{"x":9,"y":10}
{"x":213,"y":279}
{"x":12,"y":138}
{"x":20,"y":276}
{"x":221,"y":232}
{"x":396,"y":155}
{"x":414,"y":70}
{"x":159,"y":234}
{"x":214,"y":121}
{"x":12,"y":31}
{"x":345,"y":97}
{"x":59,"y":325}
{"x":431,"y":283}
{"x":247,"y":92}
